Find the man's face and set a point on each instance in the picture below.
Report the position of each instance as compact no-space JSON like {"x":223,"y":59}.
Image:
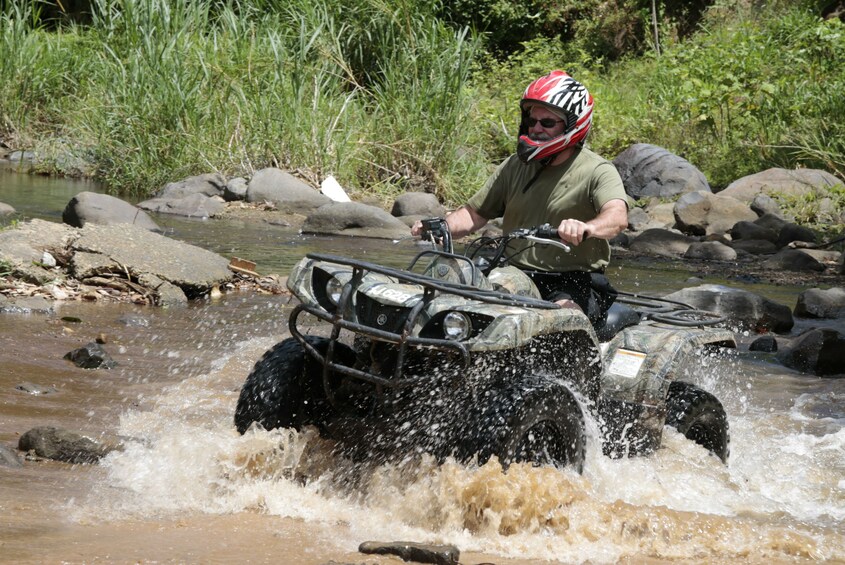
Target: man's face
{"x":539,"y":132}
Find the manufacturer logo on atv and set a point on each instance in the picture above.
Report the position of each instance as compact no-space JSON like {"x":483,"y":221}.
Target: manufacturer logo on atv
{"x":382,"y":319}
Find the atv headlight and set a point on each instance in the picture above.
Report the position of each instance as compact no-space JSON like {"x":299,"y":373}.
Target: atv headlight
{"x":456,"y":326}
{"x":334,"y":288}
{"x":327,"y":288}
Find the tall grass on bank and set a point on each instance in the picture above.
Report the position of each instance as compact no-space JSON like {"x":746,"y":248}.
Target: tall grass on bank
{"x":368,"y":91}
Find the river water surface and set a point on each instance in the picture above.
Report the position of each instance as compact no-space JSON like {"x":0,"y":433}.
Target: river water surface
{"x":188,"y":488}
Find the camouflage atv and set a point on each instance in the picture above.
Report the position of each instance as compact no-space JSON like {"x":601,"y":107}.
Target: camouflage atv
{"x":458,"y":356}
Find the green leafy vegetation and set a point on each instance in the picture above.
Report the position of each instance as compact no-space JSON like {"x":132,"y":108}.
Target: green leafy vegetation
{"x":821,"y":209}
{"x":411,"y":94}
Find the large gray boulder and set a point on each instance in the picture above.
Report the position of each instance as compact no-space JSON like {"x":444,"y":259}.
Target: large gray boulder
{"x":743,"y":309}
{"x":754,"y":246}
{"x":793,"y":232}
{"x":200,"y":196}
{"x":104,"y":209}
{"x":785,"y":231}
{"x":638,"y":219}
{"x":649,"y":170}
{"x":192,"y":205}
{"x":819,"y":351}
{"x":235,"y":190}
{"x":108,"y":254}
{"x":705,"y":213}
{"x":765,"y":204}
{"x":285,"y":191}
{"x":6,"y":210}
{"x":710,"y":250}
{"x":137,"y":252}
{"x":798,"y":182}
{"x":818,"y":303}
{"x":664,"y":243}
{"x":23,"y":248}
{"x":746,"y":230}
{"x":210,"y":184}
{"x":662,"y":214}
{"x":418,"y":204}
{"x":793,"y":260}
{"x":355,"y":219}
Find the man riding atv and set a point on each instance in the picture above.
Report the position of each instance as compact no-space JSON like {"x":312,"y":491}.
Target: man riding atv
{"x":553,"y":178}
{"x":481,"y":354}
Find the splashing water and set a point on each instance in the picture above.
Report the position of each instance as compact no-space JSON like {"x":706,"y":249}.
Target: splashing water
{"x":780,"y":497}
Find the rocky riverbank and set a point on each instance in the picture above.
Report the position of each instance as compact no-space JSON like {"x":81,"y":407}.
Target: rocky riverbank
{"x":109,"y":249}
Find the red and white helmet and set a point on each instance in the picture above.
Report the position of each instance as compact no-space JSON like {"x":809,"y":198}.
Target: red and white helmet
{"x":564,"y":96}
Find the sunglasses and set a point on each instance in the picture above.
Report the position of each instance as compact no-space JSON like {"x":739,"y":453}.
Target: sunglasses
{"x":547,"y":123}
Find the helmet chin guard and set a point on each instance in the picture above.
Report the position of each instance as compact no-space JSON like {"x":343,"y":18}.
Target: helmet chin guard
{"x":564,"y":96}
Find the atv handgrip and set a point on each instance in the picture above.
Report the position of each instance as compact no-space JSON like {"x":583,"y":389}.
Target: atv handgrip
{"x":546,"y":231}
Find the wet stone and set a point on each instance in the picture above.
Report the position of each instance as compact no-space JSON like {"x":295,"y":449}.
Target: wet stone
{"x":134,"y":321}
{"x":35,"y":389}
{"x":26,"y":305}
{"x":62,"y":445}
{"x":766,"y":344}
{"x":411,"y":551}
{"x":9,"y":457}
{"x":92,"y":356}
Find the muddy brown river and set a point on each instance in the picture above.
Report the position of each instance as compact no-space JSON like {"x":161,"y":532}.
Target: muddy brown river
{"x":188,"y":489}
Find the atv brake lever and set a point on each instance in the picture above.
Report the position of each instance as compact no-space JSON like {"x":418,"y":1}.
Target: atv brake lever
{"x":545,"y":241}
{"x":544,"y":234}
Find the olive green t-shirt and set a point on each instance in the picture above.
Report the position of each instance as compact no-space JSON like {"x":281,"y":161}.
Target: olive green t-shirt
{"x":575,"y":189}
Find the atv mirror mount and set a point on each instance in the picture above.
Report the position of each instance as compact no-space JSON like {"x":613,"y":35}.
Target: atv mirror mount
{"x":437,"y":231}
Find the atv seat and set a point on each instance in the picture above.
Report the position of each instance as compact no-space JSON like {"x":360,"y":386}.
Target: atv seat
{"x":619,"y":317}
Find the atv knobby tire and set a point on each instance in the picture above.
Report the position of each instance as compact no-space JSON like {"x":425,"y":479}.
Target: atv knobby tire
{"x":699,"y":416}
{"x":536,"y":420}
{"x":285,"y":387}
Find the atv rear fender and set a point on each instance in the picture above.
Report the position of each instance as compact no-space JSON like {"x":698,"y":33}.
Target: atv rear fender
{"x":639,"y":365}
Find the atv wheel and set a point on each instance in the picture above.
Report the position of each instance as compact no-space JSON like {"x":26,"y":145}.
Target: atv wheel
{"x":537,"y":420}
{"x":285,"y":387}
{"x":699,"y":416}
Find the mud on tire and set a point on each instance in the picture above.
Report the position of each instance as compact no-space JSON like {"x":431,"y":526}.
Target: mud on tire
{"x":699,"y":416}
{"x":285,"y":387}
{"x":536,"y":420}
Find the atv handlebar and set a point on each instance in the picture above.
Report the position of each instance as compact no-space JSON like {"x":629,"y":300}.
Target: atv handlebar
{"x":437,"y":231}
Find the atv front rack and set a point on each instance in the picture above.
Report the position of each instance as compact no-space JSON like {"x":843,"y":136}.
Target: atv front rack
{"x":431,"y":288}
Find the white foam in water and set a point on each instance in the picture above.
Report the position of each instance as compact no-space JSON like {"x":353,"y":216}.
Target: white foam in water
{"x":781,"y":493}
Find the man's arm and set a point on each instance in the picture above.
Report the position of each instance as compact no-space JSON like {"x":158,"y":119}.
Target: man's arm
{"x":462,"y":221}
{"x":611,"y":219}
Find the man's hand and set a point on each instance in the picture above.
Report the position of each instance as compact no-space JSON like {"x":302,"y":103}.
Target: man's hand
{"x":612,"y":219}
{"x":573,"y":231}
{"x":416,"y":229}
